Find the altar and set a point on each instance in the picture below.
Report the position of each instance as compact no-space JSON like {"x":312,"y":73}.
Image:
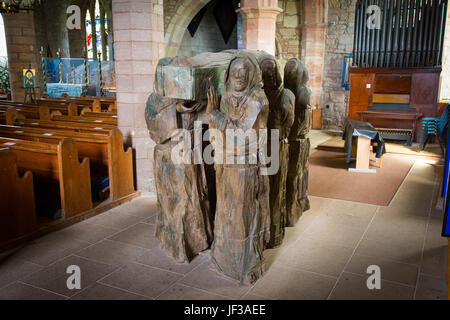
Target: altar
{"x":56,"y":90}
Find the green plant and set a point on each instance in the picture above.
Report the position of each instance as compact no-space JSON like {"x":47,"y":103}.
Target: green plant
{"x":4,"y":78}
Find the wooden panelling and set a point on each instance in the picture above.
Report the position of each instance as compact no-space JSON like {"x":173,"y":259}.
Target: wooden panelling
{"x":392,"y":83}
{"x":361,"y":89}
{"x":390,"y":98}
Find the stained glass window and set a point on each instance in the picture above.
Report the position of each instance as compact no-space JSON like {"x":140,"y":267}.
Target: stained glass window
{"x":94,"y":25}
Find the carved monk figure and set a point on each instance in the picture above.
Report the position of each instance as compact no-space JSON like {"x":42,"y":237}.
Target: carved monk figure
{"x":242,"y":211}
{"x":184,"y":222}
{"x":295,"y":79}
{"x":281,"y":118}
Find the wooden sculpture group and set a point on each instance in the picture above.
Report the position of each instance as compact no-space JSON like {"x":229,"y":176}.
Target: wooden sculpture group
{"x":228,"y":207}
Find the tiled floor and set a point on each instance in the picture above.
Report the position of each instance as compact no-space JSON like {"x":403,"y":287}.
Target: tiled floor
{"x":325,"y":256}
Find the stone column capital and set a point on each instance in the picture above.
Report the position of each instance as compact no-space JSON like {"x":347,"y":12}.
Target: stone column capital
{"x":260,"y":12}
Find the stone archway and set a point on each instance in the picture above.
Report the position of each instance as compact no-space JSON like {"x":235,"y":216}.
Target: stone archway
{"x":184,"y":13}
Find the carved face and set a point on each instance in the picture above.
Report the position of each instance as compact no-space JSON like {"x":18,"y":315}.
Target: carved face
{"x":290,"y":72}
{"x":269,"y":73}
{"x":239,"y":75}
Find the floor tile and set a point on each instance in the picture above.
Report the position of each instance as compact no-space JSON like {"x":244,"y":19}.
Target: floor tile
{"x":87,"y":231}
{"x":115,"y":219}
{"x":99,"y":291}
{"x":430,"y":288}
{"x":12,"y":269}
{"x":391,"y":249}
{"x":157,"y":258}
{"x":354,"y":287}
{"x":204,"y":277}
{"x":312,"y":255}
{"x":390,"y":270}
{"x":435,"y":261}
{"x":21,"y":291}
{"x":143,"y":207}
{"x":140,"y":279}
{"x":141,"y":235}
{"x":54,"y":278}
{"x":323,"y":229}
{"x":112,"y":252}
{"x":50,"y":248}
{"x":289,"y":284}
{"x":182,"y":292}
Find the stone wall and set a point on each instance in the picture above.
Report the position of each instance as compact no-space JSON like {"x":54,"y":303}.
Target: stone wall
{"x":22,"y":50}
{"x":289,"y":32}
{"x":338,"y":43}
{"x":139,"y":44}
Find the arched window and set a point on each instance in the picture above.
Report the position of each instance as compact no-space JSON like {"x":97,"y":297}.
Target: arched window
{"x":89,"y":44}
{"x":3,"y":49}
{"x":94,"y":32}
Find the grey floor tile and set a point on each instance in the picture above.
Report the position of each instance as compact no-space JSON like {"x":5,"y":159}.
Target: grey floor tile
{"x":390,"y":270}
{"x":112,"y":252}
{"x":182,"y":292}
{"x":206,"y":278}
{"x":391,"y":249}
{"x":430,"y":288}
{"x":99,"y":291}
{"x":140,"y":279}
{"x":46,"y":250}
{"x":288,"y":284}
{"x":21,"y":291}
{"x":87,"y":231}
{"x":55,"y":277}
{"x":141,"y":235}
{"x":143,"y":207}
{"x":115,"y":219}
{"x":354,"y":287}
{"x":12,"y":269}
{"x":157,"y":258}
{"x":435,"y":261}
{"x":325,"y":230}
{"x":311,"y":255}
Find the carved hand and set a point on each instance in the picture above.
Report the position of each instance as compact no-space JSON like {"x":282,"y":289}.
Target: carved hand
{"x":213,"y":100}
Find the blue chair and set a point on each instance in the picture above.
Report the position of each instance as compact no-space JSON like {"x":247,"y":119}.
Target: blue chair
{"x":435,"y":126}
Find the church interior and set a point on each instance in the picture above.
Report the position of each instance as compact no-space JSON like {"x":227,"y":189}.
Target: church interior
{"x":110,"y":111}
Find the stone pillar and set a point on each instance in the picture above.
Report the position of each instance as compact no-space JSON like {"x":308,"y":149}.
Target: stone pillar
{"x":22,"y":51}
{"x":313,"y":44}
{"x":138,"y":45}
{"x":259,"y":24}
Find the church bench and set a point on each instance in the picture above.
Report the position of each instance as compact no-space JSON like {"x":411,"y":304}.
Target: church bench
{"x":17,"y":204}
{"x":56,"y":162}
{"x":73,"y":126}
{"x":102,"y":150}
{"x":97,"y":104}
{"x":83,"y":119}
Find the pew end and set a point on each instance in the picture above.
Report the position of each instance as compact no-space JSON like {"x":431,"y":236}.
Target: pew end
{"x":12,"y":115}
{"x":17,"y":203}
{"x":96,"y":106}
{"x":44,"y":113}
{"x":121,"y":178}
{"x":74,"y":177}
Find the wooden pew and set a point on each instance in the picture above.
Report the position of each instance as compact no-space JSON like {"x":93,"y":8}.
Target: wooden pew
{"x":75,"y":127}
{"x":17,"y":206}
{"x":2,"y":116}
{"x":59,"y":162}
{"x":103,"y":150}
{"x":82,"y":119}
